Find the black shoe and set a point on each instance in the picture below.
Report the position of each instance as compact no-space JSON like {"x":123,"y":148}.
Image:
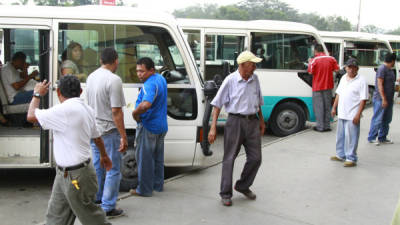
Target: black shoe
{"x":327,"y":129}
{"x":248,"y":193}
{"x":114,"y":213}
{"x":316,"y":129}
{"x":226,"y":201}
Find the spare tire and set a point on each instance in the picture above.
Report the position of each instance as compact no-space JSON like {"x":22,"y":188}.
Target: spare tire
{"x":129,"y":171}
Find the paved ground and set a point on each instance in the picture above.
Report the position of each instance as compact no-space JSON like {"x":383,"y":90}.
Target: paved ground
{"x":297,"y":184}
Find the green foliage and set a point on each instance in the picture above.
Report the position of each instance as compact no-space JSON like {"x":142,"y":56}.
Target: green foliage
{"x":206,"y":11}
{"x":395,"y":31}
{"x":372,"y":29}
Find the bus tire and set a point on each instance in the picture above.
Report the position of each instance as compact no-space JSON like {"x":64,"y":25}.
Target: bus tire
{"x":287,"y":118}
{"x":129,"y":172}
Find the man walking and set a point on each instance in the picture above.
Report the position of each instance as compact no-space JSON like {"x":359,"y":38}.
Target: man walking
{"x":73,"y":125}
{"x":151,"y":116}
{"x":383,"y":101}
{"x":106,"y":97}
{"x":351,"y":96}
{"x":322,"y":68}
{"x":240,"y":93}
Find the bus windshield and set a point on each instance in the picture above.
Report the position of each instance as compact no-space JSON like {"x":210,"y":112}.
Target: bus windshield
{"x":396,"y":49}
{"x":367,"y":53}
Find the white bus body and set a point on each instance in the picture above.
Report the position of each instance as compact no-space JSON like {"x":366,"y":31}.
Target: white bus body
{"x":285,"y":47}
{"x":394,"y":41}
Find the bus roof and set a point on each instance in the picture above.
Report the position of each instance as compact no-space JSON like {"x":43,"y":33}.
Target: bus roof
{"x":350,"y":35}
{"x":90,"y":12}
{"x":390,"y":37}
{"x":272,"y":25}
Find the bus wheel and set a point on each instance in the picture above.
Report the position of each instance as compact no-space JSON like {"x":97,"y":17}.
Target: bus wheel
{"x":370,"y":95}
{"x":287,"y":118}
{"x":129,"y":171}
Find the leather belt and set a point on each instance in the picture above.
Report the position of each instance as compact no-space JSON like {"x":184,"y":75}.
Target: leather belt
{"x":249,"y":117}
{"x":70,"y":168}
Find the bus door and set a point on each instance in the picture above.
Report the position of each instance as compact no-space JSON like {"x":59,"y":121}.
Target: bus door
{"x":23,"y":144}
{"x":221,"y":49}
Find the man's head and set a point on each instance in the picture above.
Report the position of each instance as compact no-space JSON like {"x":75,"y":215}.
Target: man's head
{"x":352,"y":67}
{"x":247,"y":63}
{"x":390,"y":59}
{"x":145,"y":68}
{"x":109,"y":58}
{"x":19,"y":60}
{"x":318,"y":49}
{"x":68,"y":87}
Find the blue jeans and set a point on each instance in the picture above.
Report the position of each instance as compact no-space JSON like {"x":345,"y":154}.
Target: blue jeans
{"x":347,"y":140}
{"x":108,"y":180}
{"x":380,"y":121}
{"x":22,"y":97}
{"x":150,"y":161}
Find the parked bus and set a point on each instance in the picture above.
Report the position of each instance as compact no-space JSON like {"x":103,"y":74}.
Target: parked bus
{"x":44,"y":33}
{"x":285,"y":48}
{"x":368,"y":49}
{"x":394,"y":41}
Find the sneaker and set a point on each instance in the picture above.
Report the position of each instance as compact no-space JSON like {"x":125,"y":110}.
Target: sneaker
{"x":335,"y":158}
{"x":114,"y":213}
{"x":386,"y":141}
{"x":248,"y":193}
{"x":375,"y":142}
{"x":349,"y":164}
{"x":226,"y":201}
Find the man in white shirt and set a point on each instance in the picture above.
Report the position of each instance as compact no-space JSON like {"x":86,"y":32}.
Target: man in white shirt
{"x":73,"y":124}
{"x":351,"y":96}
{"x":15,"y":82}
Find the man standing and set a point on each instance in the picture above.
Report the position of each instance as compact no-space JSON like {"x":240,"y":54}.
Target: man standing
{"x":73,"y":125}
{"x":240,"y":93}
{"x":105,"y":95}
{"x":322,"y":68}
{"x":383,"y":101}
{"x":351,"y":96}
{"x":14,"y":81}
{"x":151,"y":116}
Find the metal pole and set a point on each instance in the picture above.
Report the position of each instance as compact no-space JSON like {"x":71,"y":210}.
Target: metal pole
{"x":359,"y":16}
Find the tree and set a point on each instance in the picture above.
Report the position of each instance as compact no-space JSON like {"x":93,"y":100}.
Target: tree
{"x":372,"y":29}
{"x":231,"y":12}
{"x":206,"y":11}
{"x":338,"y":23}
{"x":395,"y":31}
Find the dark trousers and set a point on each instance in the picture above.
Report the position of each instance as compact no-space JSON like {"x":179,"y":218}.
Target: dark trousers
{"x":240,"y":131}
{"x":322,"y":104}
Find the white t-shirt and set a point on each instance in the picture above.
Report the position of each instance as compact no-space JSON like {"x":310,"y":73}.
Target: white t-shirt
{"x":351,"y":93}
{"x":73,"y":124}
{"x":104,"y":92}
{"x":9,"y":75}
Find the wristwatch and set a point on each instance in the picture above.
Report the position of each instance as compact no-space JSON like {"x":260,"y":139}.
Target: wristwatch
{"x":36,"y":94}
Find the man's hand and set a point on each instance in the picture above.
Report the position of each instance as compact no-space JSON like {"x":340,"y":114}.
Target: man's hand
{"x":33,"y":74}
{"x":123,"y":145}
{"x":356,"y":120}
{"x":262,"y":128}
{"x":42,"y":88}
{"x":136,"y":117}
{"x":106,"y":162}
{"x":333,"y":112}
{"x":384,"y":103}
{"x":212,"y":134}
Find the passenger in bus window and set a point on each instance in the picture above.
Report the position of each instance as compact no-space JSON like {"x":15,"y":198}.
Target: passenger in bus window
{"x":15,"y":79}
{"x":73,"y":63}
{"x":241,"y":96}
{"x":3,"y":120}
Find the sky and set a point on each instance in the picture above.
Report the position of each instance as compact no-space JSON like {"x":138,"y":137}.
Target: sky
{"x":381,"y":13}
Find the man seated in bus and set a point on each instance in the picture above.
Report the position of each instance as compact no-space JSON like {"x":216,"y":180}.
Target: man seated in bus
{"x":15,"y":78}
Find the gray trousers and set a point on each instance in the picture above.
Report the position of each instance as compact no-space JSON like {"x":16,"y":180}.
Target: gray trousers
{"x":322,"y":104}
{"x":67,"y":202}
{"x":240,"y":131}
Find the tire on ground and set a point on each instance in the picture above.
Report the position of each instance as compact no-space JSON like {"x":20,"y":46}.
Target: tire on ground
{"x":287,"y":118}
{"x":129,"y":173}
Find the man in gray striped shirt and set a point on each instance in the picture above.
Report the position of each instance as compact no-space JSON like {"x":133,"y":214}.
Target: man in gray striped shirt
{"x":241,"y":95}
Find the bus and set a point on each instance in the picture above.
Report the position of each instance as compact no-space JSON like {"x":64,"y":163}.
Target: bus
{"x":285,"y":48}
{"x":368,"y":49}
{"x":44,"y":33}
{"x":394,"y":41}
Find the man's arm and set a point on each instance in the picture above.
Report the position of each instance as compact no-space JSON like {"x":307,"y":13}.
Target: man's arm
{"x":357,"y":118}
{"x":382,"y":92}
{"x":118,"y":118}
{"x":20,"y":84}
{"x":105,"y":161}
{"x":42,"y":88}
{"x":262,"y":123}
{"x":212,"y":134}
{"x":335,"y":104}
{"x":142,"y":108}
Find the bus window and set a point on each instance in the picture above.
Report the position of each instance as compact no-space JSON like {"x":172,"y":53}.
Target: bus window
{"x":220,"y":49}
{"x":283,"y":51}
{"x":131,"y":42}
{"x":396,"y":49}
{"x":193,"y":38}
{"x":333,"y":49}
{"x":367,"y":53}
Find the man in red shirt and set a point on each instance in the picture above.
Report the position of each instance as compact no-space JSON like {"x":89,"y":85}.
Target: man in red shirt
{"x":322,"y":68}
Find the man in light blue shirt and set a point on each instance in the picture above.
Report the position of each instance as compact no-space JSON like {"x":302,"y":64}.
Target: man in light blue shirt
{"x":240,"y":93}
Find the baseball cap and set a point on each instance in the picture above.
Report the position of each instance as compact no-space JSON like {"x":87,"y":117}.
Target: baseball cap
{"x":352,"y":62}
{"x":247,"y":56}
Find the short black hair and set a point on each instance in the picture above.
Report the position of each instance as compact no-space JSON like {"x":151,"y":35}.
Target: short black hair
{"x":390,"y":57}
{"x":147,"y":62}
{"x":319,"y":48}
{"x":19,"y":56}
{"x":70,"y":86}
{"x":108,"y":56}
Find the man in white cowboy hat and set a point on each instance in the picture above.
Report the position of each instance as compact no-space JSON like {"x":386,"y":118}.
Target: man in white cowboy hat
{"x":240,"y":93}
